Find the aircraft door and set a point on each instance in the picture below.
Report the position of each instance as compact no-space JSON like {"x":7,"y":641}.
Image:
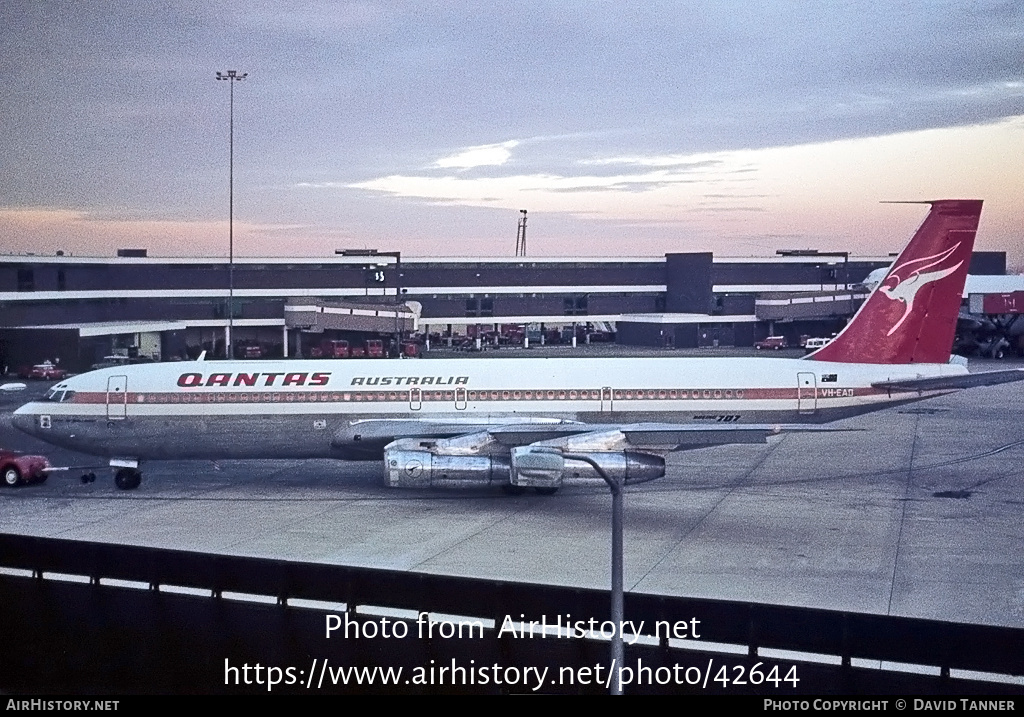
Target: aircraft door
{"x":806,"y":393}
{"x":117,"y":398}
{"x":415,"y":399}
{"x":460,"y":399}
{"x":606,"y":400}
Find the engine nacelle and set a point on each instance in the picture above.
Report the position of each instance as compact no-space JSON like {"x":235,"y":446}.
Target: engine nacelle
{"x":547,"y":470}
{"x":410,"y":468}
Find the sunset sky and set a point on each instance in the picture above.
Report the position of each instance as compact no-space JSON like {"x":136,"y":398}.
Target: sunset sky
{"x":623,"y":128}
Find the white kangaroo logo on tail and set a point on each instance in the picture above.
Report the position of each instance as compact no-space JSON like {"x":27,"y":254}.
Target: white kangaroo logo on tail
{"x":905,"y":290}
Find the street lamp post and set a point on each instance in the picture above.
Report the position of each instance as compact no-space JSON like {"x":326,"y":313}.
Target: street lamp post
{"x":616,"y":485}
{"x":232,"y":76}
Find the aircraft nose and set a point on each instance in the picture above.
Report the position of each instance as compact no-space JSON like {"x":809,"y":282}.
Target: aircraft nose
{"x":24,"y":419}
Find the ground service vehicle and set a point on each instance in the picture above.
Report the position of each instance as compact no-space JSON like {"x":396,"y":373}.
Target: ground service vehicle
{"x":19,"y":468}
{"x":772,"y":342}
{"x":44,"y":371}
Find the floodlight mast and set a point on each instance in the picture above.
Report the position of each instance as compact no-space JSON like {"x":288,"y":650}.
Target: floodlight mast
{"x":521,"y":235}
{"x":231,"y":76}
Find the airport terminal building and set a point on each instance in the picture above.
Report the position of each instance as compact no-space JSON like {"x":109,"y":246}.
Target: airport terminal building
{"x":80,"y":309}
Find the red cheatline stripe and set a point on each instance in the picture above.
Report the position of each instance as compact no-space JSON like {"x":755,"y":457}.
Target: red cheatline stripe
{"x":404,"y":396}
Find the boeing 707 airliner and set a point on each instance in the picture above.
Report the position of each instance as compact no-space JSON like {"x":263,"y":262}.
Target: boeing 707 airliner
{"x":513,"y":421}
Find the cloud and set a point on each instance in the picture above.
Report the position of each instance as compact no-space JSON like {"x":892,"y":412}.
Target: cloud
{"x":484,"y":155}
{"x":116,"y":112}
{"x":83,"y":233}
{"x":513,"y":189}
{"x":668,"y":160}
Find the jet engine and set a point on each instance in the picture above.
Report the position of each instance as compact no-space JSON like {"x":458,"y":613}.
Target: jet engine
{"x":543,"y":469}
{"x":408,"y":464}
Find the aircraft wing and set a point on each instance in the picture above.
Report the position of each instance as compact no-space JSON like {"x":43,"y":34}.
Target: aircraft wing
{"x":938,"y":383}
{"x":468,"y":437}
{"x":650,"y":436}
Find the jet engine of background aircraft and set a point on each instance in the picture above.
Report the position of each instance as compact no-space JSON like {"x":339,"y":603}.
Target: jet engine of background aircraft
{"x":991,"y":336}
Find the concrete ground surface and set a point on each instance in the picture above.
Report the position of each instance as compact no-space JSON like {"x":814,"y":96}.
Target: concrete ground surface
{"x":913,"y":512}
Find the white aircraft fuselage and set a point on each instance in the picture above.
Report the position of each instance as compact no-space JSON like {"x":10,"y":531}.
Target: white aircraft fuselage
{"x":352,"y":408}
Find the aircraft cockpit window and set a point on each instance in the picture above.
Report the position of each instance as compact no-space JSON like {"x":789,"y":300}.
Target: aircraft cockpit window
{"x":59,"y":394}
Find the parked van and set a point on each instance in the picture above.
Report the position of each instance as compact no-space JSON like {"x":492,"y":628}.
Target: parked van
{"x":815,"y":344}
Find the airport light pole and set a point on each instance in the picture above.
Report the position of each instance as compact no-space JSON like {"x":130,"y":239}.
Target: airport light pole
{"x":615,"y":485}
{"x":231,"y":76}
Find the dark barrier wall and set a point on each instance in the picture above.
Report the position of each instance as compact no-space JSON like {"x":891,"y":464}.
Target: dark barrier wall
{"x":66,"y":627}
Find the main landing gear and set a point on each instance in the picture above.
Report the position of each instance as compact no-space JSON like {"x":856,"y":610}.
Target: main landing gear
{"x":128,"y":478}
{"x":124,"y":478}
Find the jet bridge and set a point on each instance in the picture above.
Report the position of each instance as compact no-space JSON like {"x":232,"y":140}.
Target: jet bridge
{"x":315,"y":315}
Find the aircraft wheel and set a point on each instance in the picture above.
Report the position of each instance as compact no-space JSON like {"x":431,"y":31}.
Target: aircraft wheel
{"x":12,"y":477}
{"x":546,"y":491}
{"x":88,"y":478}
{"x":128,"y":478}
{"x":509,"y":489}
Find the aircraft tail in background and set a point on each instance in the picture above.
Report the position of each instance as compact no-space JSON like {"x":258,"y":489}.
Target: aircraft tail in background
{"x":911,"y":315}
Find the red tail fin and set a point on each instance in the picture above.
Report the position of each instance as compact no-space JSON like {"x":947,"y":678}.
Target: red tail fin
{"x":911,"y":316}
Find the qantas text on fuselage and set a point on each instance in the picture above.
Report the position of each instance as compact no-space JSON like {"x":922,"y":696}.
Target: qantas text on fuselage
{"x":305,"y":378}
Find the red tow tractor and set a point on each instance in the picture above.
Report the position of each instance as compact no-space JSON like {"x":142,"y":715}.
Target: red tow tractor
{"x":20,"y":468}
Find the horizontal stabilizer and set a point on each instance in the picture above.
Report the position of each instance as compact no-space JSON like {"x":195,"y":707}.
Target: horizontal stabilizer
{"x":938,"y":383}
